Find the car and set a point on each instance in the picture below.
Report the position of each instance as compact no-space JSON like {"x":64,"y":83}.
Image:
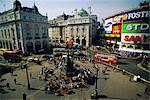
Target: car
{"x":30,"y":59}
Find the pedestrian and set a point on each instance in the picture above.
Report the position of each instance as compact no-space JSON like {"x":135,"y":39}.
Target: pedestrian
{"x":130,"y":78}
{"x":7,"y":85}
{"x":123,"y":72}
{"x":24,"y":96}
{"x":15,"y":81}
{"x":39,"y":77}
{"x":147,"y":89}
{"x":30,"y":75}
{"x":12,"y":72}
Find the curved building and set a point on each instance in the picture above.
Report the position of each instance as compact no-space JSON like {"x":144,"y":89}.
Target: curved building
{"x":133,"y":27}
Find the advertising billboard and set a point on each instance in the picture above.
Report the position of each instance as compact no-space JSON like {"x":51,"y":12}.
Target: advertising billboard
{"x":108,"y":25}
{"x":116,"y":29}
{"x":136,"y":15}
{"x":135,"y":38}
{"x":117,"y":19}
{"x":135,"y":27}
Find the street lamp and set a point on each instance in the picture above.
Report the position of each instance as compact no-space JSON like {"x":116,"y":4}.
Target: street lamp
{"x":96,"y":96}
{"x":25,"y":66}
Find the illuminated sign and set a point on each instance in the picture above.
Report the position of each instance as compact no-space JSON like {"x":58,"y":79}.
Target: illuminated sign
{"x":108,"y":25}
{"x":117,"y":19}
{"x":135,"y":38}
{"x":136,"y":15}
{"x":136,"y":27}
{"x":116,"y":29}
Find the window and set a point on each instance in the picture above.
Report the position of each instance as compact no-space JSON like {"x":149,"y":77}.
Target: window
{"x":5,"y":33}
{"x":36,"y":34}
{"x":24,"y":17}
{"x":8,"y":33}
{"x":2,"y":33}
{"x":104,"y":57}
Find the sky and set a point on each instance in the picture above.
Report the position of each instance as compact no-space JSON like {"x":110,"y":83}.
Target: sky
{"x":54,"y":8}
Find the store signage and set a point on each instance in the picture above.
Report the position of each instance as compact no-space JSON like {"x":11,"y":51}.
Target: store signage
{"x":138,"y":38}
{"x":136,"y":15}
{"x":108,"y":25}
{"x":117,"y":19}
{"x":116,"y":29}
{"x":137,"y":27}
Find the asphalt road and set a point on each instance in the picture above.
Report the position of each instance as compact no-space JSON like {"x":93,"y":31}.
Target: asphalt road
{"x":130,"y":65}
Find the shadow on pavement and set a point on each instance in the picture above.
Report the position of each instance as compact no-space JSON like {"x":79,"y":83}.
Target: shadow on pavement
{"x":122,"y":63}
{"x":15,"y":75}
{"x":106,"y":97}
{"x":33,"y":89}
{"x":3,"y":79}
{"x":105,"y":78}
{"x":33,"y":78}
{"x":3,"y":91}
{"x":117,"y":98}
{"x":19,"y":84}
{"x":12,"y":89}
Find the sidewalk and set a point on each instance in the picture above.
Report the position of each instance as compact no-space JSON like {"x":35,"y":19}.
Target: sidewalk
{"x":117,"y":85}
{"x":16,"y":90}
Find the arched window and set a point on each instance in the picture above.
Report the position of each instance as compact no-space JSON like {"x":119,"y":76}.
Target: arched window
{"x":12,"y":32}
{"x":5,"y":33}
{"x":8,"y":33}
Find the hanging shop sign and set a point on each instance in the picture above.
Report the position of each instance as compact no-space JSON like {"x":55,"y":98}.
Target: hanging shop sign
{"x":135,"y":38}
{"x":135,"y":27}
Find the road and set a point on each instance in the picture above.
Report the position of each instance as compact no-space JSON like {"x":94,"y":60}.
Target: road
{"x":130,"y":65}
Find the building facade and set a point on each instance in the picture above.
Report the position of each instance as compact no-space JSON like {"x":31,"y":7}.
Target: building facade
{"x":80,"y":27}
{"x":23,"y":28}
{"x":132,"y":27}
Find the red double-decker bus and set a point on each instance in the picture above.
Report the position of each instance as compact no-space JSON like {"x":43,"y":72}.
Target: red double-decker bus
{"x":14,"y":56}
{"x":108,"y":58}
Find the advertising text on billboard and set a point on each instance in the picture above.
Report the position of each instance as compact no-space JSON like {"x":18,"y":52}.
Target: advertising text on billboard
{"x":135,"y":27}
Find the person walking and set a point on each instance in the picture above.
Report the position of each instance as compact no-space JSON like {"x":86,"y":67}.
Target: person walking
{"x":147,"y":89}
{"x":7,"y":85}
{"x":15,"y":81}
{"x":30,"y":75}
{"x":24,"y":96}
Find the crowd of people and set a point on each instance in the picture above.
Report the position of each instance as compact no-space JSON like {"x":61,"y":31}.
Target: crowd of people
{"x":64,"y":84}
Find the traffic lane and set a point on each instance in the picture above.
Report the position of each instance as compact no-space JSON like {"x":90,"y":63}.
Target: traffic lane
{"x":131,"y":66}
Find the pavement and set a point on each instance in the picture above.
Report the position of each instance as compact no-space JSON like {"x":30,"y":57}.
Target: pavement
{"x":116,"y":87}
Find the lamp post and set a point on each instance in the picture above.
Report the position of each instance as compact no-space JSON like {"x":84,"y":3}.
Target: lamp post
{"x":96,"y":89}
{"x":25,"y":66}
{"x":96,"y":96}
